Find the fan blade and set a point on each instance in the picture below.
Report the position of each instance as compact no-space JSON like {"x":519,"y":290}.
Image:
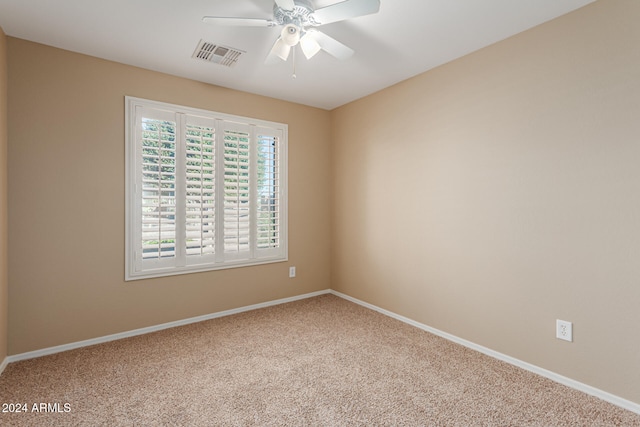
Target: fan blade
{"x":345,"y":10}
{"x":285,"y":4}
{"x":279,"y":51}
{"x":331,"y":46}
{"x":238,"y":22}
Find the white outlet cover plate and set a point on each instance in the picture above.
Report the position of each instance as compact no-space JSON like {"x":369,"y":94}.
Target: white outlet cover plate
{"x":564,"y":330}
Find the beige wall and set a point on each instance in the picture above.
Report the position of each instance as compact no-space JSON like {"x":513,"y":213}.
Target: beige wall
{"x":500,"y":192}
{"x":4,"y":287}
{"x":66,"y":201}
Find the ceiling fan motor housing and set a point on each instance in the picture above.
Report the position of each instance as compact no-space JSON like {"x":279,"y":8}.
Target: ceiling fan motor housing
{"x":300,"y":15}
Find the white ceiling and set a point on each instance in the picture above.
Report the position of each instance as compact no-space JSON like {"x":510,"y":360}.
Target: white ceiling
{"x":407,"y":37}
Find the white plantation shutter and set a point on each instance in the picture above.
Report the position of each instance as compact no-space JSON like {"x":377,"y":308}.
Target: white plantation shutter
{"x":204,"y":190}
{"x":156,"y":188}
{"x":237,"y":191}
{"x":200,"y":188}
{"x":270,"y":199}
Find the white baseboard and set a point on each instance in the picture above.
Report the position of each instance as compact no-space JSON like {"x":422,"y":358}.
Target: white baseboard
{"x":4,"y":364}
{"x":608,"y":397}
{"x":142,"y":331}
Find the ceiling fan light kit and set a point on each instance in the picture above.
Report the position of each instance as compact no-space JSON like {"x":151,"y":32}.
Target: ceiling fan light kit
{"x":281,"y":50}
{"x":298,"y":19}
{"x":309,"y":45}
{"x":290,"y":35}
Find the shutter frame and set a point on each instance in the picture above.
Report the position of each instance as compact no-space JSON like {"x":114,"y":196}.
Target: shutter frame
{"x":198,"y":232}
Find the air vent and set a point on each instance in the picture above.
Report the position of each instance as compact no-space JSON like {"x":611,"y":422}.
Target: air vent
{"x":216,"y":53}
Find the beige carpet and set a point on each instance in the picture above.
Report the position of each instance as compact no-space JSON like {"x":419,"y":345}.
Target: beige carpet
{"x":322,"y":361}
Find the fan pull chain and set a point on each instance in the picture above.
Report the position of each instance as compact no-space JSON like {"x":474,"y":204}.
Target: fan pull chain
{"x":293,"y":58}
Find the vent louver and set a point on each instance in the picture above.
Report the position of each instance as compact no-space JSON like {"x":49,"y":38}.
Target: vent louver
{"x":218,"y":54}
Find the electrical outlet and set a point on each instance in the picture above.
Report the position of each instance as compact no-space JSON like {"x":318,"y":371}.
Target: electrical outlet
{"x":564,"y":330}
{"x":292,"y":272}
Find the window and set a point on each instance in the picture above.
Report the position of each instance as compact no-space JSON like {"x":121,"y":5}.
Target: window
{"x":205,"y":190}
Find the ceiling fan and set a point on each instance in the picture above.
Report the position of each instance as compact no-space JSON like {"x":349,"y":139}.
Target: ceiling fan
{"x":299,"y":19}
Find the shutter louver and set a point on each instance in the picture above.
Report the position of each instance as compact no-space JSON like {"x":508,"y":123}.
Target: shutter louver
{"x":237,"y":207}
{"x":158,"y":197}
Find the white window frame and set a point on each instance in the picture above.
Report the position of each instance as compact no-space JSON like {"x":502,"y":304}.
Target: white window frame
{"x":136,"y":266}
